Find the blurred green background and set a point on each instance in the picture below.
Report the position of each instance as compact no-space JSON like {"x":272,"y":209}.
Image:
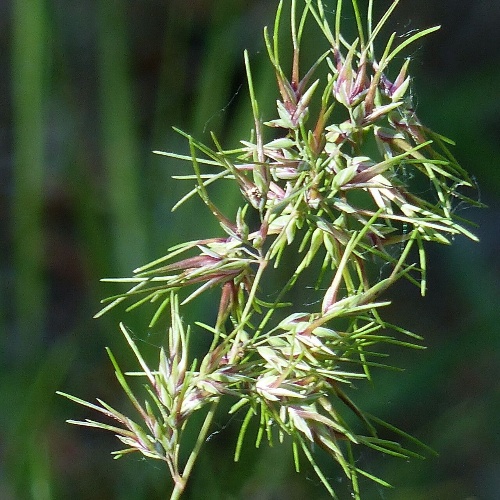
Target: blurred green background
{"x":88,"y":89}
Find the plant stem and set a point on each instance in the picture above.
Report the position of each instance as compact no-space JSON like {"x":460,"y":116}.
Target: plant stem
{"x":180,"y":485}
{"x":245,"y":316}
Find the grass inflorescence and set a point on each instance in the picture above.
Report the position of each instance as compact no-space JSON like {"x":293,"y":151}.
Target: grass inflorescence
{"x":328,"y":179}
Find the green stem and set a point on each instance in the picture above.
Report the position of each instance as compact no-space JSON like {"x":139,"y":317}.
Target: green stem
{"x":181,"y":482}
{"x":248,"y":307}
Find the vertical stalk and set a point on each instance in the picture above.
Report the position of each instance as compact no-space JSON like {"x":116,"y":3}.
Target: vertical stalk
{"x":180,"y":485}
{"x":28,"y":92}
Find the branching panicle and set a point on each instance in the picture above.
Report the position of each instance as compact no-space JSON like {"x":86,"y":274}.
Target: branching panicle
{"x":334,"y":185}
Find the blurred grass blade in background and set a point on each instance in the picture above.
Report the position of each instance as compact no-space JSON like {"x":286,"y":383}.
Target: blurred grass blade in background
{"x":120,"y":139}
{"x":29,"y":90}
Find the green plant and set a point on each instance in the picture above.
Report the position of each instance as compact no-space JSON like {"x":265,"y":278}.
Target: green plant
{"x":334,"y":187}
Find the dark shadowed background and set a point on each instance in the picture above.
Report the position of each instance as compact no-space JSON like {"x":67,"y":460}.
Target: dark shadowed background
{"x":87,"y":89}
